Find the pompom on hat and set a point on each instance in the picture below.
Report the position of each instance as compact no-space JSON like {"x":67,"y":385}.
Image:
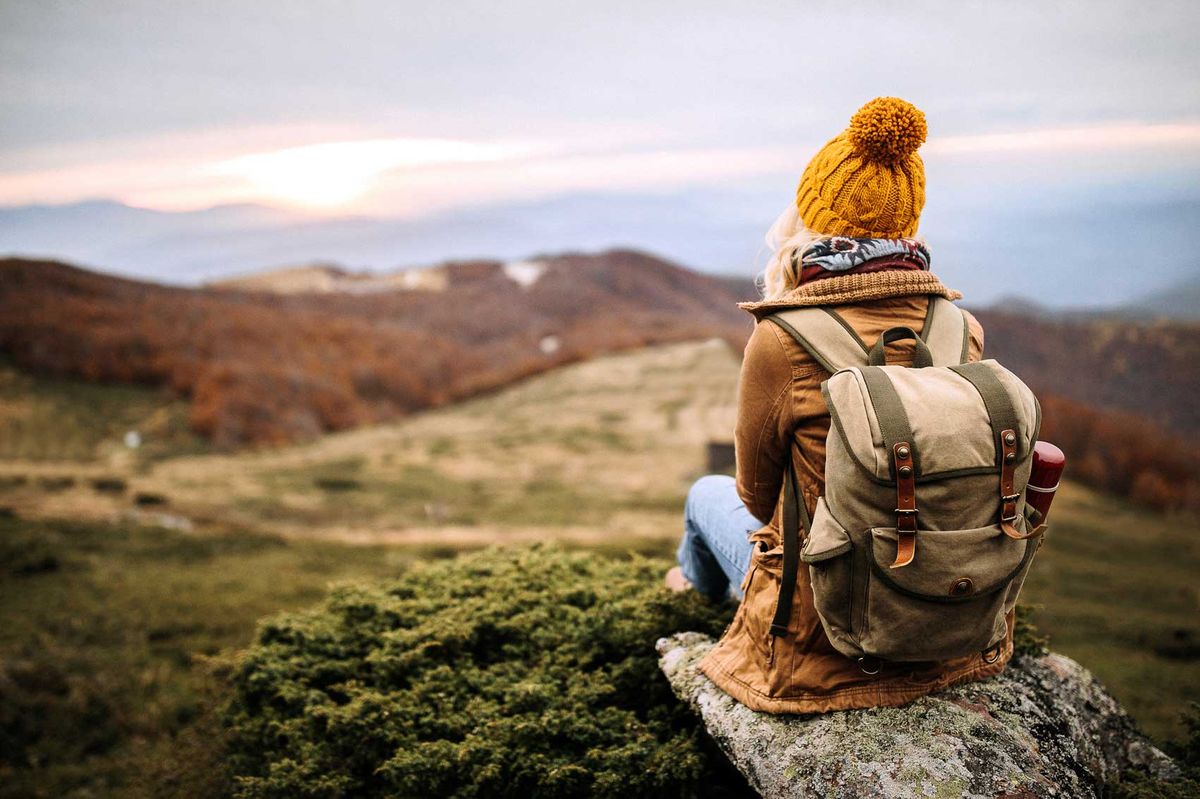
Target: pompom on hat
{"x":869,"y":180}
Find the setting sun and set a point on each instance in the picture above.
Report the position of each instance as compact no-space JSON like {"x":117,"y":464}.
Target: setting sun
{"x":335,"y":173}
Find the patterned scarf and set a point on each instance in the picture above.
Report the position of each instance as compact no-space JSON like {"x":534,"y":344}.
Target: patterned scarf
{"x":834,"y":255}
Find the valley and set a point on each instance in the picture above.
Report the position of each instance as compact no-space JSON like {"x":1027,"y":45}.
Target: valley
{"x":292,"y":355}
{"x":177,"y":465}
{"x":597,"y":455}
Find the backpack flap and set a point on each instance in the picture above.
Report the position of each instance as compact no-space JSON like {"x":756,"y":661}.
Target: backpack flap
{"x":956,"y":566}
{"x":939,"y":410}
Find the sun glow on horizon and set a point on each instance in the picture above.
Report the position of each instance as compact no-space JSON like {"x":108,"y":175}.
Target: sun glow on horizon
{"x":333,"y":174}
{"x":350,"y":173}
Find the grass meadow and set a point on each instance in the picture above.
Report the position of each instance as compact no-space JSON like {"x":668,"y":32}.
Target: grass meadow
{"x":129,"y":576}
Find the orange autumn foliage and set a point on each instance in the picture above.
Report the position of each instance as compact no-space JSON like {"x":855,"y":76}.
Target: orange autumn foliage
{"x":266,"y":368}
{"x":1122,"y":453}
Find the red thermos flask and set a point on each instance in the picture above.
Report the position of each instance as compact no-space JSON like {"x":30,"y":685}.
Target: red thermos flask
{"x":1048,"y":463}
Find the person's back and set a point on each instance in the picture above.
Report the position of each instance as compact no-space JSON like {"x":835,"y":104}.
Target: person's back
{"x":846,"y":246}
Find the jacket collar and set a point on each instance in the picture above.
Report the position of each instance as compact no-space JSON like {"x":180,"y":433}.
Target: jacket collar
{"x":854,"y":288}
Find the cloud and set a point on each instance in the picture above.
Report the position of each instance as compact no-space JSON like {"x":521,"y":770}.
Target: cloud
{"x":333,"y":174}
{"x":402,"y":176}
{"x":1185,"y":135}
{"x":341,"y":107}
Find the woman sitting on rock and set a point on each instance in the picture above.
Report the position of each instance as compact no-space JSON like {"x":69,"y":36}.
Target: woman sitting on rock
{"x":847,"y":243}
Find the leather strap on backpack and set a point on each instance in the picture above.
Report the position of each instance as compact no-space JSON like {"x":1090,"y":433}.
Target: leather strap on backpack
{"x":906,"y":505}
{"x":794,"y":512}
{"x":1004,"y":427}
{"x":1008,"y":492}
{"x":897,"y":434}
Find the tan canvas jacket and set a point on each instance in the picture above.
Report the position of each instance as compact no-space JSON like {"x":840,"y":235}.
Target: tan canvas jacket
{"x":780,"y":399}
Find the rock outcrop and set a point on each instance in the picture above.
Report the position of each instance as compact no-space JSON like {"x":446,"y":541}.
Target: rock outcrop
{"x":1043,"y":728}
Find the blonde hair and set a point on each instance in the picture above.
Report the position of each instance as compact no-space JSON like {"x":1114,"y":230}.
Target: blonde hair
{"x":787,"y":237}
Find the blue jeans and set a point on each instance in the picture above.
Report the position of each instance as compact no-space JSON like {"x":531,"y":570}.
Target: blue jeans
{"x":715,"y":551}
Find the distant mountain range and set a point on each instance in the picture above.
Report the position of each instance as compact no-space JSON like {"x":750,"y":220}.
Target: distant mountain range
{"x":1181,"y":301}
{"x":263,"y":366}
{"x":292,"y":353}
{"x":1100,"y":251}
{"x":198,"y":246}
{"x":1131,"y":358}
{"x":330,"y":278}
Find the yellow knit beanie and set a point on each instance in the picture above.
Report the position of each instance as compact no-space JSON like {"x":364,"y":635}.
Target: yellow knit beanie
{"x":869,"y":180}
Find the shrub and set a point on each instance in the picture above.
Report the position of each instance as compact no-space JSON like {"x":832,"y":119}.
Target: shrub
{"x":527,"y":672}
{"x":522,"y":672}
{"x":1027,"y":641}
{"x":1136,"y":784}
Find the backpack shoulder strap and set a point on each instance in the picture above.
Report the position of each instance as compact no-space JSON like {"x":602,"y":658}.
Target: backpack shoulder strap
{"x":825,"y":336}
{"x":795,"y":520}
{"x":834,"y":345}
{"x":946,"y":332}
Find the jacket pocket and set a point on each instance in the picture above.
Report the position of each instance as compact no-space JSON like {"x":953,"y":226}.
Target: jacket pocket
{"x":827,"y":551}
{"x":760,"y":593}
{"x":950,"y":601}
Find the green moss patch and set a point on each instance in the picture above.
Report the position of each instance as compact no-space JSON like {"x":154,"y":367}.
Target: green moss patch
{"x":523,"y":673}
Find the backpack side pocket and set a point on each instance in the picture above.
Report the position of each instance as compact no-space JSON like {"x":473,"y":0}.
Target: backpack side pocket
{"x":827,"y":551}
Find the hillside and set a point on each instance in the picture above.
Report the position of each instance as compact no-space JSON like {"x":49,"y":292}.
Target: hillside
{"x":325,"y":278}
{"x":287,"y":355}
{"x":376,"y":345}
{"x":1143,"y":367}
{"x":266,"y":368}
{"x":599,"y":450}
{"x":100,"y":596}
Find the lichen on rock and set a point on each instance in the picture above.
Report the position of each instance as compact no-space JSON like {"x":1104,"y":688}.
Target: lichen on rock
{"x":1043,"y":728}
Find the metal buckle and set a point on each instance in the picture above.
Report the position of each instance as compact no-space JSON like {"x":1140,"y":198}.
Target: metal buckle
{"x":1009,"y":501}
{"x":907,"y":511}
{"x":862,"y":664}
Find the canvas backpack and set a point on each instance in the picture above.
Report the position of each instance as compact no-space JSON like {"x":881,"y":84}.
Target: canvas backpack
{"x":919,"y":546}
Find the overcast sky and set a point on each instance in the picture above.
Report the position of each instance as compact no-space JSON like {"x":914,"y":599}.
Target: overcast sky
{"x":401,"y":108}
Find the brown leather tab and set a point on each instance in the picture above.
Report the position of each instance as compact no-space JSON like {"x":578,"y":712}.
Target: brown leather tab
{"x":906,"y":504}
{"x":1008,"y":468}
{"x":1008,"y":494}
{"x":906,"y":550}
